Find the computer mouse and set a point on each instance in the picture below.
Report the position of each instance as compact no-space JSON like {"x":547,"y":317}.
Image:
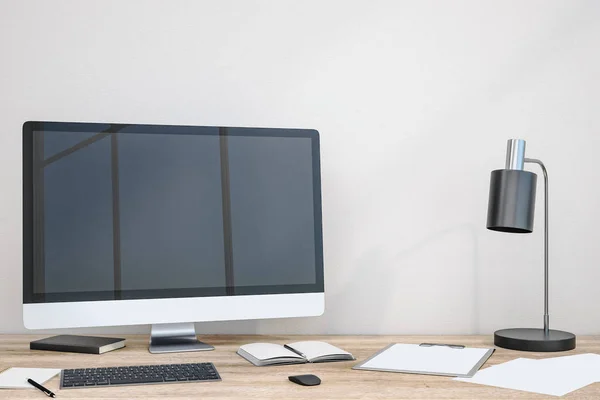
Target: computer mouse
{"x":305,"y":380}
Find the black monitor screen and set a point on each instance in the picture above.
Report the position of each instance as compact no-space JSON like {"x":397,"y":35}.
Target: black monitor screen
{"x":115,"y":211}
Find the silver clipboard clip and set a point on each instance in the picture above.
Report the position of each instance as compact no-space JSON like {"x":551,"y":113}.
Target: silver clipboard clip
{"x":452,"y":346}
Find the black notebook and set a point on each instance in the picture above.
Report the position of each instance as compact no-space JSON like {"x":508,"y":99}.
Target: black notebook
{"x":78,"y":344}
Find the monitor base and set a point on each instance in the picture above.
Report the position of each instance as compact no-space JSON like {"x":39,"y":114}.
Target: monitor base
{"x":175,"y":338}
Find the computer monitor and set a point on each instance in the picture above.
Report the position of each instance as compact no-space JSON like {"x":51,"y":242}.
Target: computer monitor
{"x":150,"y":224}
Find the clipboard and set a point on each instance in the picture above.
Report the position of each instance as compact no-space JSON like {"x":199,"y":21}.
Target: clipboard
{"x":428,"y":359}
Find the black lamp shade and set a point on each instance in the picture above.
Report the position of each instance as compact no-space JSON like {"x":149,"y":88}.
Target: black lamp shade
{"x":512,"y":201}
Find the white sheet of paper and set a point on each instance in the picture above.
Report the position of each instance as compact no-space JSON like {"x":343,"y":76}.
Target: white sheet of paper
{"x":550,"y":376}
{"x":582,"y":364}
{"x":434,"y":359}
{"x":16,"y":378}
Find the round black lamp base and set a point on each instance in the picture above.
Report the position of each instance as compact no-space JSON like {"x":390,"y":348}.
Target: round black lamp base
{"x":527,"y":339}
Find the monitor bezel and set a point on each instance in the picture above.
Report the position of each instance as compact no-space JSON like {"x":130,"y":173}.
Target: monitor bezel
{"x":30,"y":297}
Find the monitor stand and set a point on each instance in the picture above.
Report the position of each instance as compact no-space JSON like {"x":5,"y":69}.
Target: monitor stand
{"x":175,"y":338}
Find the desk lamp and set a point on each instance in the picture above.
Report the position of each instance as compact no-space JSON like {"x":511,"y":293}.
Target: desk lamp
{"x":510,"y":209}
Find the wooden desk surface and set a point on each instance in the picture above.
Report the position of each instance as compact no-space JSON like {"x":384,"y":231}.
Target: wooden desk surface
{"x":241,"y":380}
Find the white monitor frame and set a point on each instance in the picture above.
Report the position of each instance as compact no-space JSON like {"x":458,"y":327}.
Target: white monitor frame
{"x":55,"y":312}
{"x":176,"y":310}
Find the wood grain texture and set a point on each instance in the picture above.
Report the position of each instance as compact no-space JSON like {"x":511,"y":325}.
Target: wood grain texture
{"x":241,"y":380}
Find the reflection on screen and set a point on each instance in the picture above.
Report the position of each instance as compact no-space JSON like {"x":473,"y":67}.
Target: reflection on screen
{"x":141,"y":211}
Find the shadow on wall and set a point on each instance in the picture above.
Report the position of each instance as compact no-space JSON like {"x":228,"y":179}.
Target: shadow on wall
{"x":416,"y":290}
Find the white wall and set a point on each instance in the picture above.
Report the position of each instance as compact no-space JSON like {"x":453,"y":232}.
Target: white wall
{"x":414,"y":101}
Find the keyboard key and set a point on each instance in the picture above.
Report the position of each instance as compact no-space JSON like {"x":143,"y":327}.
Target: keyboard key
{"x":123,"y":381}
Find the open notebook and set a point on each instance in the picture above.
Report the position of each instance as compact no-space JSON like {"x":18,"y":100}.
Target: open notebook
{"x":262,"y":354}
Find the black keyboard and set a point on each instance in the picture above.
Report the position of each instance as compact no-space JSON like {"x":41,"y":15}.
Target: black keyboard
{"x":138,"y":375}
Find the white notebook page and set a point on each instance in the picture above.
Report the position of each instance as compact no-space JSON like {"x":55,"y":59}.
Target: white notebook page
{"x":314,"y":349}
{"x":16,"y":378}
{"x":266,"y":351}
